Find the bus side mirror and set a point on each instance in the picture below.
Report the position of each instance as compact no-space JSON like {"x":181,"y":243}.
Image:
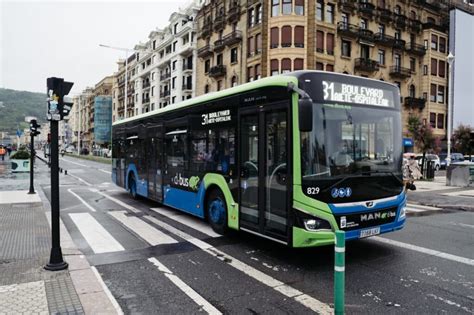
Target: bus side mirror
{"x":305,"y":114}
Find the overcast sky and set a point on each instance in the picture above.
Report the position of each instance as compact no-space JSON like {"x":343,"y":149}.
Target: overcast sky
{"x":40,"y":39}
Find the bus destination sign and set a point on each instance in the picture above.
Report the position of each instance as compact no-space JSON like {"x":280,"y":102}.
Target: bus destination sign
{"x":351,"y":93}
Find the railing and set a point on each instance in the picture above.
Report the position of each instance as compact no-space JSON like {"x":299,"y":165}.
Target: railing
{"x":347,"y":29}
{"x":146,"y":100}
{"x":187,"y":86}
{"x":347,"y":5}
{"x":233,"y":14}
{"x":400,"y":72}
{"x":233,"y":38}
{"x":415,"y":25}
{"x":399,"y":43}
{"x":206,"y":30}
{"x":415,"y":102}
{"x":165,"y":93}
{"x":366,"y":8}
{"x":416,"y":49}
{"x":219,"y":45}
{"x":205,"y":51}
{"x":187,"y":66}
{"x":400,"y":20}
{"x":384,"y":39}
{"x":165,"y":76}
{"x":219,"y":23}
{"x":385,"y":14}
{"x":217,"y":71}
{"x":147,"y":85}
{"x":366,"y":34}
{"x":365,"y":64}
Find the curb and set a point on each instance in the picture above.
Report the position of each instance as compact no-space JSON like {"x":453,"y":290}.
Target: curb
{"x":93,"y":293}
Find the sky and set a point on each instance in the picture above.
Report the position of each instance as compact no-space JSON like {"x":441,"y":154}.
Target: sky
{"x":41,"y":39}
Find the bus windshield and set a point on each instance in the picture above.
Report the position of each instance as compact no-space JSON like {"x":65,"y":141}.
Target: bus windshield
{"x":351,"y":140}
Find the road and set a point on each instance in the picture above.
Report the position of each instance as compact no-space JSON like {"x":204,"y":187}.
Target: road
{"x":154,"y":259}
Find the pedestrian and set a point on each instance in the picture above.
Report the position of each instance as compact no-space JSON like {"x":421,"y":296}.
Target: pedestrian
{"x":2,"y":152}
{"x":9,"y":150}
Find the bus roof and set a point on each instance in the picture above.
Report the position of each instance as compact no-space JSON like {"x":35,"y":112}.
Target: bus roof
{"x":279,"y":80}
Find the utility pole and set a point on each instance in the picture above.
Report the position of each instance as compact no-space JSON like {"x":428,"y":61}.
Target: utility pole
{"x":33,"y":132}
{"x":58,"y":108}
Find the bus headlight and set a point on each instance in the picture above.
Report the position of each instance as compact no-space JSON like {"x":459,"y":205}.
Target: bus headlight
{"x":403,"y":212}
{"x":316,"y":224}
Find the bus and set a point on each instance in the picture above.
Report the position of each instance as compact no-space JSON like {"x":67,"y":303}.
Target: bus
{"x":291,"y":158}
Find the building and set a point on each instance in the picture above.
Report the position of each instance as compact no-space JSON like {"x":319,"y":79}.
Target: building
{"x":102,"y":94}
{"x":118,"y":90}
{"x":399,"y":41}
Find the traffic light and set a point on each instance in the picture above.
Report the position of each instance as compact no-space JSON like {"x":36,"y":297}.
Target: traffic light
{"x":59,"y":105}
{"x":34,"y":127}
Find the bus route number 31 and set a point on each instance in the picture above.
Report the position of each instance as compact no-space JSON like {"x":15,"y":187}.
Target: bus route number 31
{"x":312,"y":190}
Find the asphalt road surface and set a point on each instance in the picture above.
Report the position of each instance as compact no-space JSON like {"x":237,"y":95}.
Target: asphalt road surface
{"x":154,"y":259}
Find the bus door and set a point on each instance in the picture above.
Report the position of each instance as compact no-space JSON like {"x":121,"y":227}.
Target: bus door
{"x":264,"y":182}
{"x":154,"y":148}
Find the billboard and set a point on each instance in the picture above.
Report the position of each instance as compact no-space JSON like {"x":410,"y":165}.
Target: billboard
{"x":462,"y":47}
{"x":102,"y":119}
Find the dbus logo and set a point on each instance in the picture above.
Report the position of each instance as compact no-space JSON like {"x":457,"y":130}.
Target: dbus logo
{"x":191,"y":182}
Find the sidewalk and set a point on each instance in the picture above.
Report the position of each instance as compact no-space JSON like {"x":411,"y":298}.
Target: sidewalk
{"x":25,"y":244}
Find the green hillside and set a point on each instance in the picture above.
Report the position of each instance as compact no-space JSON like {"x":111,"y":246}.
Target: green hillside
{"x":16,"y":105}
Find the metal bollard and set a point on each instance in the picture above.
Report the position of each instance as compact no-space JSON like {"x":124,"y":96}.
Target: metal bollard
{"x":339,"y":272}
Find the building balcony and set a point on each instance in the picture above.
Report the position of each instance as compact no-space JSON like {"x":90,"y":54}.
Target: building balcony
{"x":384,"y":39}
{"x":233,"y":38}
{"x":146,"y":101}
{"x":219,"y":45}
{"x":165,"y":76}
{"x":365,"y":64}
{"x":399,"y":44}
{"x":366,"y":35}
{"x":187,"y":66}
{"x":346,"y":29}
{"x":415,"y":25}
{"x":347,"y":5}
{"x":130,"y":92}
{"x":433,"y":25}
{"x":400,"y":20}
{"x":416,"y":49}
{"x":366,"y":8}
{"x":206,"y":30}
{"x":121,"y":96}
{"x":385,"y":15}
{"x":165,"y":93}
{"x":219,"y":23}
{"x":205,"y":51}
{"x":146,"y":85}
{"x":233,"y":14}
{"x":415,"y":102}
{"x":187,"y":87}
{"x":400,"y":72}
{"x":217,"y":71}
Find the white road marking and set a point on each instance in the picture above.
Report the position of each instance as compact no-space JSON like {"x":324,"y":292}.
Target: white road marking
{"x":107,"y":291}
{"x":464,"y":225}
{"x":417,"y":206}
{"x":192,"y":222}
{"x":463,"y":193}
{"x":69,"y":161}
{"x":80,"y":179}
{"x":96,"y":236}
{"x":432,"y":252}
{"x":81,"y":200}
{"x":117,"y":201}
{"x":143,"y":229}
{"x":104,"y":171}
{"x":198,"y":299}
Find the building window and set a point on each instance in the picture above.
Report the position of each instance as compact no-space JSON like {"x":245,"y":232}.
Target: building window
{"x":382,"y":29}
{"x":440,"y":94}
{"x":250,"y":46}
{"x":320,"y":41}
{"x":330,"y":67}
{"x":442,"y":44}
{"x":299,"y":36}
{"x":207,"y":65}
{"x":286,"y":7}
{"x":258,"y":71}
{"x":299,"y":7}
{"x":434,"y":66}
{"x":363,"y":24}
{"x":274,"y":37}
{"x":174,"y":46}
{"x":441,"y":68}
{"x":219,"y":59}
{"x":440,"y":124}
{"x":173,"y":82}
{"x":285,"y":65}
{"x":346,"y":48}
{"x":175,"y":28}
{"x":206,"y":88}
{"x":319,"y":10}
{"x":275,"y":7}
{"x":330,"y":44}
{"x":258,"y":16}
{"x":425,"y":70}
{"x":251,"y":17}
{"x":233,"y":81}
{"x":319,"y":66}
{"x":274,"y":67}
{"x":250,"y":74}
{"x":434,"y":42}
{"x":345,"y":19}
{"x":219,"y":85}
{"x":381,"y":57}
{"x":286,"y":36}
{"x":412,"y":15}
{"x":233,"y":55}
{"x":411,"y":91}
{"x":433,"y":120}
{"x":365,"y":51}
{"x":258,"y":43}
{"x":398,"y":34}
{"x":433,"y":93}
{"x":412,"y":64}
{"x":298,"y":64}
{"x":330,"y":13}
{"x":174,"y":65}
{"x":398,"y":9}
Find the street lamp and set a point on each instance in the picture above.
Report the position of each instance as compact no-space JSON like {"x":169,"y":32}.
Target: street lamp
{"x":450,"y":60}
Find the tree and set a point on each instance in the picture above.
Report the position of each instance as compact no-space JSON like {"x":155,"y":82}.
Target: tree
{"x":463,"y":139}
{"x":422,"y":134}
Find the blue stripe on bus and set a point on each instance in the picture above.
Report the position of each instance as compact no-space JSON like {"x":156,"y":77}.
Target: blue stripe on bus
{"x":187,"y":201}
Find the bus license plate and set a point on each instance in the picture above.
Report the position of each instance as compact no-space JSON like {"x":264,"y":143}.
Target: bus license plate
{"x":370,"y":232}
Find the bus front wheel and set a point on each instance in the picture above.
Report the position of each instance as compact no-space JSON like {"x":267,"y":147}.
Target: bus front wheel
{"x":132,"y":187}
{"x":217,"y":211}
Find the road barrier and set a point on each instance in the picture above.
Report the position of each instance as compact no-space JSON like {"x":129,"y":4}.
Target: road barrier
{"x":339,"y":272}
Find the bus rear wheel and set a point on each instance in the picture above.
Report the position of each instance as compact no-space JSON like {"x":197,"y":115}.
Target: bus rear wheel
{"x":132,"y":187}
{"x":217,"y":211}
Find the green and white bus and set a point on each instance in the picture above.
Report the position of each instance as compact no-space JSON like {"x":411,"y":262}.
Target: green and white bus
{"x":291,"y":158}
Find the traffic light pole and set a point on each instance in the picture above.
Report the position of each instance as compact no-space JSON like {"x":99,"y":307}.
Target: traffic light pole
{"x":32,"y":160}
{"x":56,"y":261}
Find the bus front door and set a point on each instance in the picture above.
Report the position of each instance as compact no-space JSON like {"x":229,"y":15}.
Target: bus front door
{"x":264,"y":192}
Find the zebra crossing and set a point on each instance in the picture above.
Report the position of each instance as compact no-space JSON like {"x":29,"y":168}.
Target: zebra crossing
{"x":416,"y":209}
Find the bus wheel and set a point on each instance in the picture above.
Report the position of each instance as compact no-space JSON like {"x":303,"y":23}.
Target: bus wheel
{"x":217,"y":211}
{"x":132,"y":187}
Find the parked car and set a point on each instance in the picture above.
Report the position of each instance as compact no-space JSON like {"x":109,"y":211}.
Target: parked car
{"x":68,"y":149}
{"x":85,"y":151}
{"x":428,"y":158}
{"x":455,"y":157}
{"x":469,"y":159}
